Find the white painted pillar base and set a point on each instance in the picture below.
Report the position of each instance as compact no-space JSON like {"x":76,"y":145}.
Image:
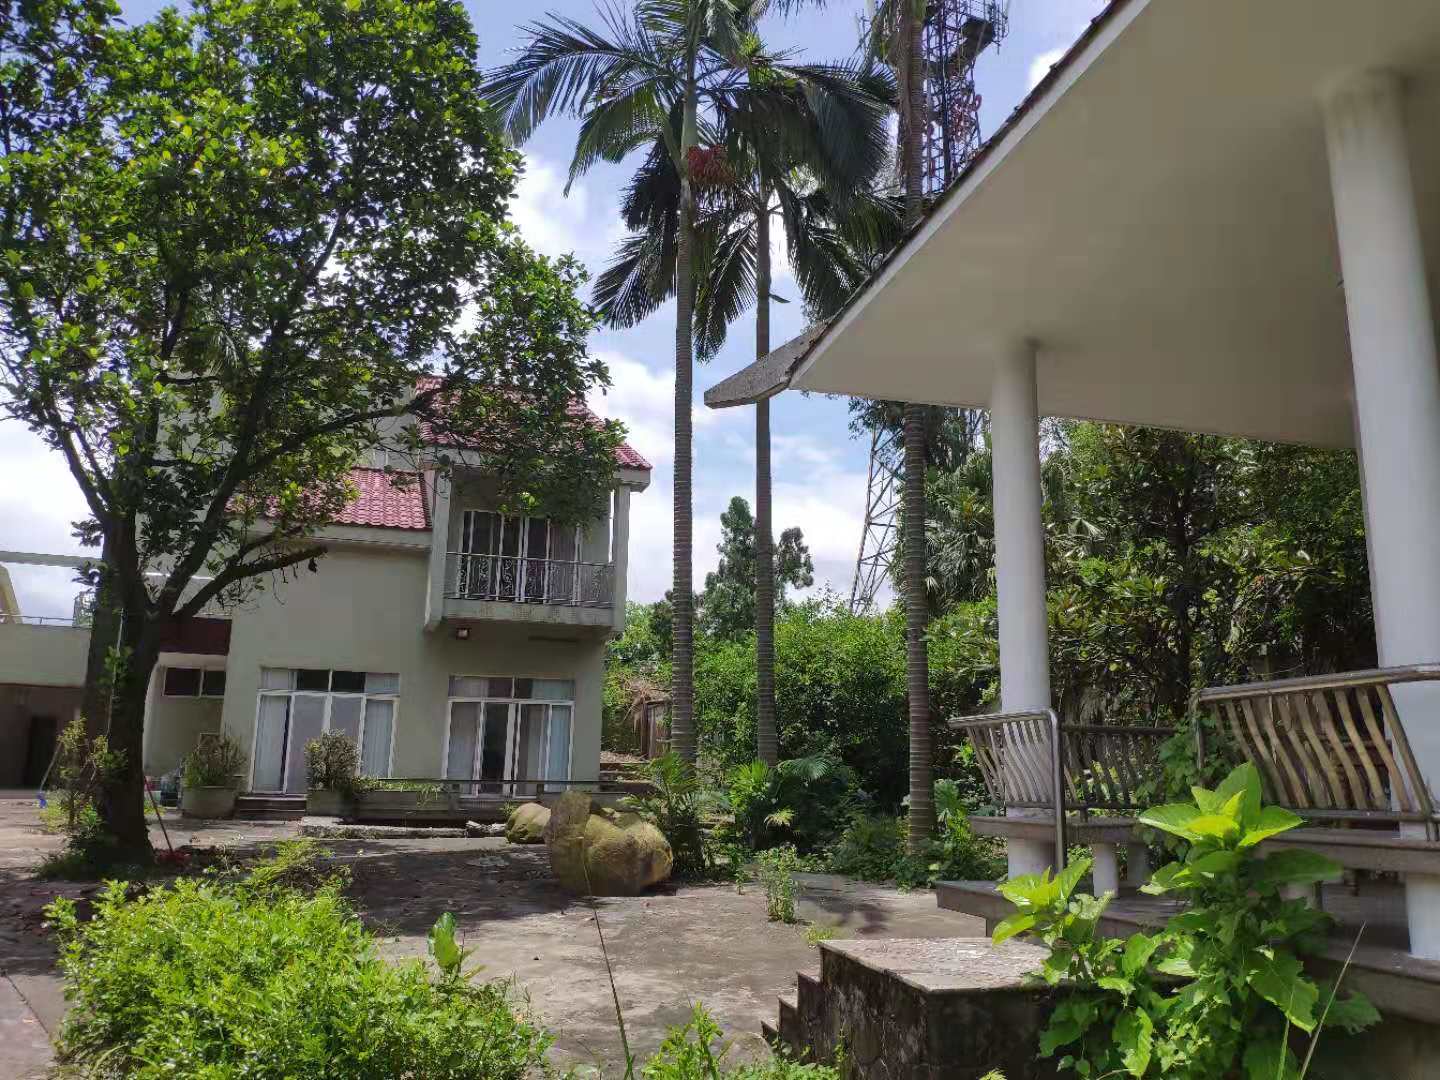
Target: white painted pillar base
{"x":1397,"y":405}
{"x":1105,"y":873}
{"x":1137,"y":864}
{"x":1020,"y":563}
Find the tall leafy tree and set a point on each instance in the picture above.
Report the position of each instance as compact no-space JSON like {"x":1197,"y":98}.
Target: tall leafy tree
{"x":732,"y":589}
{"x":671,"y":82}
{"x":236,"y":246}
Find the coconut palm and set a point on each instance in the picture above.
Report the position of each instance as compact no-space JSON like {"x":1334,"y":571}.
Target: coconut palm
{"x":643,"y":78}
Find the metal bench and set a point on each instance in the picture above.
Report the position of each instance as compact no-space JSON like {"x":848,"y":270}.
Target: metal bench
{"x":1334,"y":750}
{"x":1047,"y":770}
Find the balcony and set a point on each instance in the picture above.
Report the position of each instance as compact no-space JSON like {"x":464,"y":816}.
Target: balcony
{"x":519,"y":589}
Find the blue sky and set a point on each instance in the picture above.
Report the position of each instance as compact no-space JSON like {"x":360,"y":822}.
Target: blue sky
{"x":819,"y":470}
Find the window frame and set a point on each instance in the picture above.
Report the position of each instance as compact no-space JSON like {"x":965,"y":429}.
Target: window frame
{"x":201,"y":674}
{"x":392,"y":696}
{"x":512,"y":731}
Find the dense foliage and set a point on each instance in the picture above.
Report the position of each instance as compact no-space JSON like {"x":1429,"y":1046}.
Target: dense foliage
{"x":1221,"y":989}
{"x":727,"y":606}
{"x":332,"y":762}
{"x":217,"y":762}
{"x":236,"y":245}
{"x":257,"y":978}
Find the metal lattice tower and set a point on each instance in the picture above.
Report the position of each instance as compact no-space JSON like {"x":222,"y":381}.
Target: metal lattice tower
{"x":956,"y":33}
{"x":878,"y":542}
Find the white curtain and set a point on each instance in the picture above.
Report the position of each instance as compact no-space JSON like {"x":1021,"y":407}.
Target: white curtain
{"x":460,"y":754}
{"x":375,"y":750}
{"x":558,"y":767}
{"x":270,"y":743}
{"x":307,"y":721}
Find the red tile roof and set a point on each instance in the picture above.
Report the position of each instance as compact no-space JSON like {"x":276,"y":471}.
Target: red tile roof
{"x":378,"y":503}
{"x":626,"y":456}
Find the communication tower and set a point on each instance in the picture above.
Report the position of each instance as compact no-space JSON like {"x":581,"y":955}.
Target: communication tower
{"x":956,"y":33}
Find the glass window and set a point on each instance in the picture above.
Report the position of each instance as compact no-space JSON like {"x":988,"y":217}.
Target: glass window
{"x":382,"y":683}
{"x":182,"y":682}
{"x":554,"y":690}
{"x":524,"y":688}
{"x":345,"y":716}
{"x":464,"y":686}
{"x":558,"y":765}
{"x":502,"y":688}
{"x":375,"y":746}
{"x":312,"y":679}
{"x":273,"y":678}
{"x":347,"y":682}
{"x":213,"y":682}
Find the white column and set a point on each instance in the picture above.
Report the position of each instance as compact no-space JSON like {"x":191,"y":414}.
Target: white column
{"x":1397,"y":405}
{"x":620,"y":553}
{"x":1137,"y":864}
{"x":1020,"y":560}
{"x":1105,"y":870}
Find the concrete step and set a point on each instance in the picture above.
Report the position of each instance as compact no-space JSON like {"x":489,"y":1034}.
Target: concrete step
{"x":809,"y":993}
{"x":770,"y":1033}
{"x":790,"y":1028}
{"x":270,"y":807}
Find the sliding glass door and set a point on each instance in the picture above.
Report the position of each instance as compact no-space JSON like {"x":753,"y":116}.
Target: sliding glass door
{"x":297,"y":705}
{"x":509,"y":736}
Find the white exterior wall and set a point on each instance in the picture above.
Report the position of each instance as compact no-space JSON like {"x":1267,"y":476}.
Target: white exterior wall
{"x":364,"y":611}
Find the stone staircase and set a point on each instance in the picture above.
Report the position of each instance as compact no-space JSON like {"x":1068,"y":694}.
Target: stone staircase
{"x":249,"y":807}
{"x":918,"y":1008}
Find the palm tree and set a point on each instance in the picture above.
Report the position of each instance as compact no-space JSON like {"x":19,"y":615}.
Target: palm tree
{"x":640,"y":80}
{"x":797,"y":142}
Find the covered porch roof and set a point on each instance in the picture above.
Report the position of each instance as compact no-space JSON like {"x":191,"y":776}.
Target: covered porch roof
{"x":1157,"y":216}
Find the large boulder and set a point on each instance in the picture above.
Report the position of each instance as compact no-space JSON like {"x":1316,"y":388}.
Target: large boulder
{"x":527,"y":824}
{"x":604,"y":852}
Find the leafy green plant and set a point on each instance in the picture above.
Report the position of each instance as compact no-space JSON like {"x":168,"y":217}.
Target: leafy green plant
{"x":815,"y":933}
{"x":250,"y":978}
{"x":1221,"y":989}
{"x":801,"y":801}
{"x":959,"y":854}
{"x":332,"y":763}
{"x":83,"y":766}
{"x":777,"y":877}
{"x":690,"y":1052}
{"x":214,"y":763}
{"x":673,"y":804}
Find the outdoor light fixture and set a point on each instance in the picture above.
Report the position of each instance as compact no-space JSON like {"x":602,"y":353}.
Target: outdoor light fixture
{"x":462,"y":633}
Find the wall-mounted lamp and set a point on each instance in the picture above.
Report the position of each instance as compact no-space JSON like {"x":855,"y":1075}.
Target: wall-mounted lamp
{"x":462,"y":633}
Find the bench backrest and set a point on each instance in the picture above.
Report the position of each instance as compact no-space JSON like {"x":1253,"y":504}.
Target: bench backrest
{"x":1332,"y":747}
{"x":1099,"y":766}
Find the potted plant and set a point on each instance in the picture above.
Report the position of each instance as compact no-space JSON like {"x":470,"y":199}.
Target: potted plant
{"x":332,"y":769}
{"x":212,"y":774}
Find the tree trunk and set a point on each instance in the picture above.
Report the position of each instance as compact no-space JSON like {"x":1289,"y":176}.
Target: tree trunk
{"x":767,"y":741}
{"x":104,"y":635}
{"x":917,"y":667}
{"x":122,"y":801}
{"x":683,"y":738}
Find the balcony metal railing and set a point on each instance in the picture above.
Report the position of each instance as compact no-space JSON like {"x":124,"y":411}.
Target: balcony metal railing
{"x":517,"y":580}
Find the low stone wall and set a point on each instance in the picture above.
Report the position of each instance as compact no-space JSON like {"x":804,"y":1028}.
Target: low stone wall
{"x":921,"y":1009}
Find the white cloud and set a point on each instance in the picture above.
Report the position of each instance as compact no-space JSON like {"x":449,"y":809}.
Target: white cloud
{"x":643,"y":399}
{"x":39,"y":501}
{"x":1042,"y":64}
{"x":555,"y":223}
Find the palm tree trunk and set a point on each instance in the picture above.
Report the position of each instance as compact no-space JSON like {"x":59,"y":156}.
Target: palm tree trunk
{"x":683,"y":739}
{"x":767,"y":742}
{"x":917,"y":666}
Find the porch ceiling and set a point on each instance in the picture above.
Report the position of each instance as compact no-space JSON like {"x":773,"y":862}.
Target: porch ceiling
{"x":1160,"y":220}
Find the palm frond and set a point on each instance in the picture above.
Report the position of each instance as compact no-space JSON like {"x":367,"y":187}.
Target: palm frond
{"x":728,"y":286}
{"x":614,"y":129}
{"x":637,"y":279}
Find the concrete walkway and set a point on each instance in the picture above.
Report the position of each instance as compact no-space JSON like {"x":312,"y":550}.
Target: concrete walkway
{"x":668,"y":949}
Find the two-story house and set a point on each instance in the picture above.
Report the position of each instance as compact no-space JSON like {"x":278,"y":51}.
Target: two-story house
{"x":449,"y":639}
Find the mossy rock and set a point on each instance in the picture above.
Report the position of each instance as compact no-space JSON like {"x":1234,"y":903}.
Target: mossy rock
{"x":605,"y":852}
{"x":527,"y":823}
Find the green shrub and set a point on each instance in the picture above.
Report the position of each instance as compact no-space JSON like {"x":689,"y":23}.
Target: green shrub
{"x":207,"y":979}
{"x":870,"y":848}
{"x":777,"y":878}
{"x":673,"y":805}
{"x":803,"y":801}
{"x":1234,"y":991}
{"x":214,"y":763}
{"x":332,"y":763}
{"x":958,"y":854}
{"x":690,"y":1053}
{"x":82,"y":768}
